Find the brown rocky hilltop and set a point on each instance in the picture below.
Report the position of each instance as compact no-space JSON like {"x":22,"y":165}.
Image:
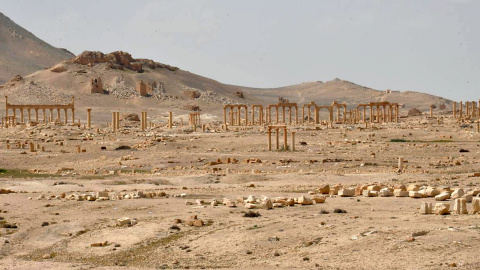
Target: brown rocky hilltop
{"x":22,"y":53}
{"x":117,"y":79}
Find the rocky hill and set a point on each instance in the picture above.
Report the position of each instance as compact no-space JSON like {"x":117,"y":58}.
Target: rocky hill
{"x":179,"y":90}
{"x":22,"y":53}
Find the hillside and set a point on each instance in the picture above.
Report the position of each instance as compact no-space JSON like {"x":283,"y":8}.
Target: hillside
{"x":179,"y":90}
{"x":22,"y":53}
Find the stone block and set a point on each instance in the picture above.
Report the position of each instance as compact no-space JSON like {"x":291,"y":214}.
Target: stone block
{"x":400,"y":193}
{"x":385,"y":192}
{"x":426,"y":208}
{"x":319,"y":198}
{"x":346,"y":192}
{"x":475,"y":205}
{"x":415,"y":194}
{"x":457,"y":194}
{"x":460,"y":206}
{"x":442,"y":209}
{"x":124,"y":221}
{"x":413,"y":187}
{"x":432,"y":192}
{"x":324,"y":189}
{"x":442,"y":196}
{"x":305,"y":200}
{"x":468,"y":197}
{"x":374,"y":188}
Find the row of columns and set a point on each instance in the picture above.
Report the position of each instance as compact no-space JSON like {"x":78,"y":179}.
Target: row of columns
{"x":472,"y":109}
{"x":277,"y":138}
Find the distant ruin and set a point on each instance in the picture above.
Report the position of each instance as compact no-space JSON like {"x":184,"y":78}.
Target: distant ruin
{"x":96,"y":86}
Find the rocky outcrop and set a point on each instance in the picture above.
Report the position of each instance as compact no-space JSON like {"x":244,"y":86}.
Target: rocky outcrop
{"x":118,"y":60}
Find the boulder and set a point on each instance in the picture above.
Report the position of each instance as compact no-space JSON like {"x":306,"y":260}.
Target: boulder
{"x":426,"y":208}
{"x":415,"y":194}
{"x":324,"y":189}
{"x":442,"y":209}
{"x":267,"y":204}
{"x":346,"y":192}
{"x":305,"y":200}
{"x":442,"y":196}
{"x":460,"y":206}
{"x":457,"y":194}
{"x":400,"y":193}
{"x":319,"y":198}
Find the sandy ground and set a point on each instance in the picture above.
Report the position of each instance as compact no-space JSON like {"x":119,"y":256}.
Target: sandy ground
{"x":374,"y":233}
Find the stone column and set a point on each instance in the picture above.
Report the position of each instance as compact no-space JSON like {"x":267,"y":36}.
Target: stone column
{"x":338,"y":114}
{"x":277,"y":139}
{"x":461,"y":110}
{"x":283,"y":114}
{"x":58,"y":114}
{"x":431,"y":110}
{"x":66,"y":116}
{"x":285,"y":134}
{"x":89,"y":118}
{"x":261,"y":115}
{"x":224,"y":116}
{"x":296,"y":115}
{"x":253,"y":115}
{"x":293,"y":140}
{"x":73,"y":115}
{"x":239,"y":116}
{"x":371,"y":114}
{"x":51,"y":115}
{"x":246,"y":115}
{"x":303,"y":114}
{"x":29,"y":115}
{"x":269,"y":139}
{"x":44,"y":116}
{"x":396,"y":113}
{"x":21,"y":116}
{"x":170,"y":120}
{"x":114,"y":123}
{"x":454,"y":109}
{"x":276,"y":108}
{"x":231,"y":117}
{"x":142,"y":122}
{"x":344,"y":113}
{"x":400,"y":164}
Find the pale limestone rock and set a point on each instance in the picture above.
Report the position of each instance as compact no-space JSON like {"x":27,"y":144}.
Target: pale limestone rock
{"x":304,"y":200}
{"x":325,"y":189}
{"x":374,"y":188}
{"x":346,"y":192}
{"x":432,"y":192}
{"x":460,"y":206}
{"x":413,"y":187}
{"x":426,"y":208}
{"x":442,"y":209}
{"x":468,"y":197}
{"x":400,"y":193}
{"x":319,"y":198}
{"x":457,"y":194}
{"x":385,"y":192}
{"x":475,"y":205}
{"x":124,"y":221}
{"x":267,"y":204}
{"x":442,"y":196}
{"x":251,"y":199}
{"x":250,"y":205}
{"x":415,"y":194}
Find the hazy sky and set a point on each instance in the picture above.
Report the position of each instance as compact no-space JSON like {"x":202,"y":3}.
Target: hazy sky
{"x":428,"y":46}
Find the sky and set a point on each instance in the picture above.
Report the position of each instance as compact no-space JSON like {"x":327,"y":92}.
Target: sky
{"x":426,"y":46}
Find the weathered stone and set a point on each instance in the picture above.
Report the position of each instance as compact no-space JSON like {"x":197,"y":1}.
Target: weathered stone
{"x":460,"y":206}
{"x":432,"y":192}
{"x":468,"y":197}
{"x":346,"y":192}
{"x":413,"y":187}
{"x":457,"y":194}
{"x":267,"y":204}
{"x":251,"y":199}
{"x":442,"y":196}
{"x":250,"y":206}
{"x":374,"y":188}
{"x":475,"y":205}
{"x":442,"y":209}
{"x":324,"y":189}
{"x":415,"y":194}
{"x":385,"y":192}
{"x":305,"y":200}
{"x":124,"y":221}
{"x":426,"y":208}
{"x":319,"y":198}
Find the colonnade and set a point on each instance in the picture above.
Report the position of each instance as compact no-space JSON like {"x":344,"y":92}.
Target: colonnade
{"x":41,"y":108}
